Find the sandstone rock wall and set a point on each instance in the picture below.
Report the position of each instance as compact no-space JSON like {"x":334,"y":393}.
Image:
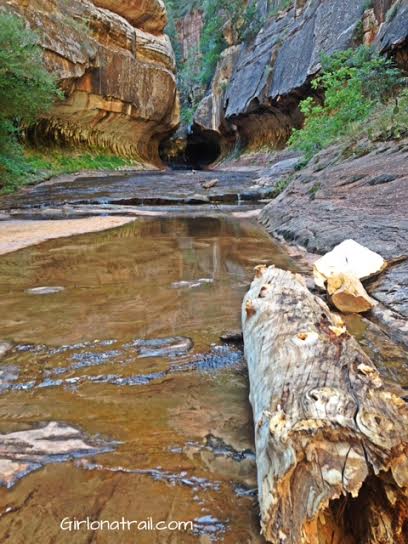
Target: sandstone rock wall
{"x":189,"y":32}
{"x":119,"y":80}
{"x":210,"y":115}
{"x":272,"y":74}
{"x":148,"y":15}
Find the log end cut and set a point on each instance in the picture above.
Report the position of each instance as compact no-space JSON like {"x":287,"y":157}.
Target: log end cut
{"x":331,"y":438}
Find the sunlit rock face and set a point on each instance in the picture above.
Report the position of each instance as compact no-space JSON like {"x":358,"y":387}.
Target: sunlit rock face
{"x":118,"y":79}
{"x":149,"y":15}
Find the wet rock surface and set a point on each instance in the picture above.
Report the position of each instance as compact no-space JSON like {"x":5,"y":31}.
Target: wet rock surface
{"x":150,"y":189}
{"x":23,"y":452}
{"x":392,"y":288}
{"x":336,"y":197}
{"x":390,"y":358}
{"x":179,"y":418}
{"x":80,"y":357}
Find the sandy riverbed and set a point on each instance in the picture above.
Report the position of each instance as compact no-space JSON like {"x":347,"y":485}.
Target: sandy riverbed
{"x":15,"y":235}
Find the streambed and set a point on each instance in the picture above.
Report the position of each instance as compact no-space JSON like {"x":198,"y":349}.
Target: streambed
{"x":117,"y":396}
{"x":167,"y":422}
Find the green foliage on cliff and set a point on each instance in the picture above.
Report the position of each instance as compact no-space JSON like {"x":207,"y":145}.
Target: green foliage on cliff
{"x":391,"y":121}
{"x":189,"y":86}
{"x":27,"y":90}
{"x":354,"y":83}
{"x":280,"y":5}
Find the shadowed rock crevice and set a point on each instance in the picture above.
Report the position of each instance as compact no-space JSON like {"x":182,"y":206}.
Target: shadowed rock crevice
{"x":196,"y":149}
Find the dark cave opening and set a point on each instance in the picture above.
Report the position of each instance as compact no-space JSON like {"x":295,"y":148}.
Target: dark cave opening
{"x":202,"y":153}
{"x":192,"y":150}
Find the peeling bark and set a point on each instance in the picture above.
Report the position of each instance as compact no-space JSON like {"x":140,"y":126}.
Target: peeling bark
{"x":331,"y":438}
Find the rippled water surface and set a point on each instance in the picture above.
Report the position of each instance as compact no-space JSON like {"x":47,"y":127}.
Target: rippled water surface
{"x":173,"y":414}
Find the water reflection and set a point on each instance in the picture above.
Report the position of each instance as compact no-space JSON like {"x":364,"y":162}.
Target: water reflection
{"x":119,"y":283}
{"x":184,"y":439}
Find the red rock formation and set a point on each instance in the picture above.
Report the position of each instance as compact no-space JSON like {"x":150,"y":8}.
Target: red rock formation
{"x":119,"y":80}
{"x":381,"y":7}
{"x":149,"y":15}
{"x":189,"y":32}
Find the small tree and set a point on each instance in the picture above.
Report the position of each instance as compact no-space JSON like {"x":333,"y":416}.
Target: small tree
{"x":27,"y":90}
{"x":354,"y":82}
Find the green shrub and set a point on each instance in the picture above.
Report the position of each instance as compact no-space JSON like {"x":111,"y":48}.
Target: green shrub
{"x":354,"y":83}
{"x":281,"y":185}
{"x":280,"y":5}
{"x":35,"y":165}
{"x":27,"y":90}
{"x":389,"y":122}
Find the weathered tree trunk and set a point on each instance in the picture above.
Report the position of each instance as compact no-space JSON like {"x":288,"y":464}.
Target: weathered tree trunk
{"x":331,"y":438}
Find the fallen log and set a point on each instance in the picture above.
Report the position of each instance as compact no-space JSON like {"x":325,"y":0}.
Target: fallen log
{"x":331,"y":438}
{"x":348,"y":295}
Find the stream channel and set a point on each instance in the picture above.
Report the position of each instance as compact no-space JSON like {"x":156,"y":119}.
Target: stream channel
{"x":117,"y":396}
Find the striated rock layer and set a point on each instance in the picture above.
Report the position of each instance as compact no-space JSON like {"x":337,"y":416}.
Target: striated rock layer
{"x":149,"y":15}
{"x":259,"y":93}
{"x":118,"y":79}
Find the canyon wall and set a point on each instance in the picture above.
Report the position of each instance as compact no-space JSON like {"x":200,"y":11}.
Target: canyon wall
{"x":117,"y":70}
{"x":255,"y":93}
{"x":189,"y":30}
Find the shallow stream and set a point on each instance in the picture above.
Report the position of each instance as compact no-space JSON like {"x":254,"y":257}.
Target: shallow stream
{"x":169,"y":420}
{"x":118,"y":398}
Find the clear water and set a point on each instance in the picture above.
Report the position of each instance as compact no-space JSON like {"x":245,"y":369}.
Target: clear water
{"x":181,"y":421}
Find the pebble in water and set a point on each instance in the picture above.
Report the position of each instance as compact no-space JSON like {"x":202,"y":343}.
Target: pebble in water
{"x":5,"y":347}
{"x":184,"y":284}
{"x":209,"y":525}
{"x":162,"y":347}
{"x":8,"y":375}
{"x":232,"y":337}
{"x":45,"y":290}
